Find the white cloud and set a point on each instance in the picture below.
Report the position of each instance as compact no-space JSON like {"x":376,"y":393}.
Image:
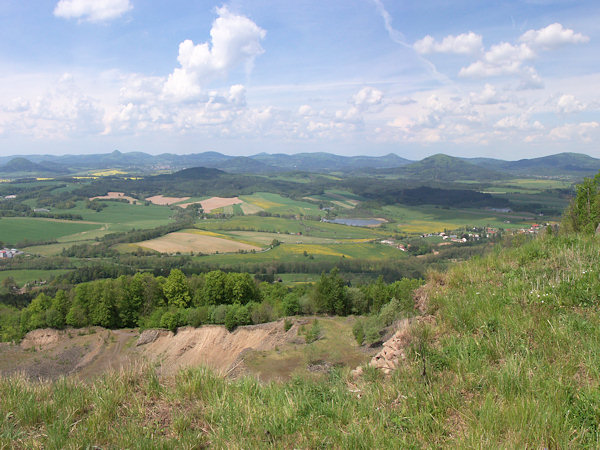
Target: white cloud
{"x":61,"y":112}
{"x":488,"y":96}
{"x":235,"y":41}
{"x":552,"y":36}
{"x":500,"y":59}
{"x":464,"y":44}
{"x":569,"y":104}
{"x":584,"y":131}
{"x":520,"y":122}
{"x":92,"y":10}
{"x":367,"y":97}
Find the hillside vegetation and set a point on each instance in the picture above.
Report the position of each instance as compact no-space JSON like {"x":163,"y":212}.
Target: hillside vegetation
{"x":509,"y":359}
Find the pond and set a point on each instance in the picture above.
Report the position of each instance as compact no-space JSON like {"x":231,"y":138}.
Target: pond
{"x":356,"y":222}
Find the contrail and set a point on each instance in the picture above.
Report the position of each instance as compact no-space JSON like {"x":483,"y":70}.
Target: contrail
{"x":397,"y":37}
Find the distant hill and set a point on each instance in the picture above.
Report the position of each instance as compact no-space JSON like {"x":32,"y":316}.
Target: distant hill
{"x":565,"y":164}
{"x":437,"y":168}
{"x":21,"y":165}
{"x":441,"y":167}
{"x":328,"y":162}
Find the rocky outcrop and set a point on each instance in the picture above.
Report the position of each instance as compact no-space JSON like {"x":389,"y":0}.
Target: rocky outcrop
{"x":394,"y":349}
{"x":598,"y":229}
{"x":393,"y":352}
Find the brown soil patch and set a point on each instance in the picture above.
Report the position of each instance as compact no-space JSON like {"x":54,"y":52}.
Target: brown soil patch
{"x":218,"y":202}
{"x":162,"y":200}
{"x":115,"y":195}
{"x":88,"y":353}
{"x":213,"y":345}
{"x":192,"y":242}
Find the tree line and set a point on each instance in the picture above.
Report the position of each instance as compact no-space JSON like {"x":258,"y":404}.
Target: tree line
{"x":232,"y":299}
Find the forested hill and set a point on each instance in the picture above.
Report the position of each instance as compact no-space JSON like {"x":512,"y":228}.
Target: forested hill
{"x":444,"y":168}
{"x":562,"y":164}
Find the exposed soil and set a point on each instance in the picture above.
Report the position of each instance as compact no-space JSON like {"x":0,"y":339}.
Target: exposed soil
{"x":88,"y":353}
{"x":162,"y":200}
{"x":115,"y":195}
{"x":194,"y":242}
{"x":218,"y":202}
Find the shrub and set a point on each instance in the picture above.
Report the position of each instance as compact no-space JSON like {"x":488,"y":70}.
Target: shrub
{"x":358,"y":332}
{"x":313,"y":333}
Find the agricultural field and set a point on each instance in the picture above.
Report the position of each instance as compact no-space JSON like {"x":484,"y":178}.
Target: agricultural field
{"x":18,"y":229}
{"x":23,"y":276}
{"x":341,"y":199}
{"x":196,"y":241}
{"x":290,"y":226}
{"x":277,"y":204}
{"x":430,"y":219}
{"x":115,"y":217}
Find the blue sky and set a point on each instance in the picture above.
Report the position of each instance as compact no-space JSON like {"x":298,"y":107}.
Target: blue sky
{"x":509,"y":79}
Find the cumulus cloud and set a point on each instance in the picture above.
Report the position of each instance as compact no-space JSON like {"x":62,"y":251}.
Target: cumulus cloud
{"x":520,"y":122}
{"x":500,"y":59}
{"x":488,"y":96}
{"x":584,"y":131}
{"x":514,"y":59}
{"x":92,"y":10}
{"x":367,"y":97}
{"x":569,"y":104}
{"x":552,"y":36}
{"x":235,"y":41}
{"x":465,"y":44}
{"x":58,"y":113}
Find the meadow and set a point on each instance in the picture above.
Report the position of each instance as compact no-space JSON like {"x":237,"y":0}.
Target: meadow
{"x":18,"y":229}
{"x":23,"y":276}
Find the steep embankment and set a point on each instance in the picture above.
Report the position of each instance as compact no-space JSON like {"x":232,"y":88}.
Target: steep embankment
{"x":87,"y":353}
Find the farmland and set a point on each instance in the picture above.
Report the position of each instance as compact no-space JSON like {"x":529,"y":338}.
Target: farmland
{"x":238,"y":227}
{"x":18,"y":229}
{"x":186,"y":241}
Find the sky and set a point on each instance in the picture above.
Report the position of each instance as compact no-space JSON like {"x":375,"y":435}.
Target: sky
{"x":504,"y":79}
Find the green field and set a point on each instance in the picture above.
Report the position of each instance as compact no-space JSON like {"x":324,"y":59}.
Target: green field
{"x":429,"y":219}
{"x":116,"y":217}
{"x":28,"y":275}
{"x":16,"y":229}
{"x":277,"y":204}
{"x":287,"y":226}
{"x":123,"y":215}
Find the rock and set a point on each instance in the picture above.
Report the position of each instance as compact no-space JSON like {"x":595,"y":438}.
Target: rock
{"x":598,"y":229}
{"x":147,"y":337}
{"x":356,"y":372}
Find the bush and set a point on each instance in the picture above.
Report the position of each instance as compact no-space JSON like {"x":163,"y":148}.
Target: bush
{"x":291,"y":305}
{"x":358,"y":332}
{"x":169,"y":320}
{"x":313,"y":333}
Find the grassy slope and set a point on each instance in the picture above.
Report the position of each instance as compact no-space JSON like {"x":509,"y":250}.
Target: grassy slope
{"x":15,"y":229}
{"x":512,"y":360}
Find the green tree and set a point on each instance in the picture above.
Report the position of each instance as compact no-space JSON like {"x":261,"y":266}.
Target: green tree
{"x":176,"y":289}
{"x":329,"y":295}
{"x":214,"y":288}
{"x":240,"y":288}
{"x":583,"y":214}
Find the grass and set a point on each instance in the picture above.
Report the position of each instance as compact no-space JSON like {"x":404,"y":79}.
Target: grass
{"x":429,"y":219}
{"x":116,"y":217}
{"x":290,"y":226}
{"x":278,"y":204}
{"x":28,"y":275}
{"x":509,"y":358}
{"x":15,"y":229}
